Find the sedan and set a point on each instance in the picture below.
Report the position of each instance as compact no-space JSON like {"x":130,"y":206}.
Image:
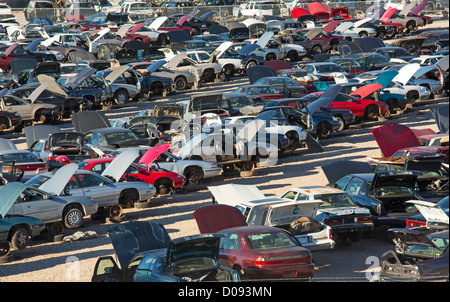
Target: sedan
{"x":266,"y":92}
{"x":285,"y":85}
{"x":264,"y":253}
{"x":25,"y":160}
{"x":325,"y":71}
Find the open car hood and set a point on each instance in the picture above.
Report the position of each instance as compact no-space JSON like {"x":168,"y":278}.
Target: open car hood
{"x":366,"y":90}
{"x":443,"y":63}
{"x":412,"y":237}
{"x":10,"y":49}
{"x":298,"y":11}
{"x":313,"y":32}
{"x":131,"y":238}
{"x":406,"y":72}
{"x":286,"y":212}
{"x":76,"y":81}
{"x":37,"y":92}
{"x":182,"y":20}
{"x":173,"y":62}
{"x":254,"y":73}
{"x":246,"y":49}
{"x":152,"y":154}
{"x":387,"y":14}
{"x":6,"y":144}
{"x":441,"y":116}
{"x":369,"y":43}
{"x":155,"y":66}
{"x":338,"y":169}
{"x":89,"y":120}
{"x":201,"y":245}
{"x":318,"y":8}
{"x":156,"y":24}
{"x":212,"y":101}
{"x":407,"y":8}
{"x":416,"y":10}
{"x":233,"y":194}
{"x":361,"y":22}
{"x":392,"y":137}
{"x":431,"y":211}
{"x":331,"y":26}
{"x":347,"y":48}
{"x":344,"y":26}
{"x":405,"y":179}
{"x":38,"y":132}
{"x":423,"y":70}
{"x":52,"y":85}
{"x":117,"y":72}
{"x":217,"y":217}
{"x":222,"y":48}
{"x":120,"y":164}
{"x":264,"y":39}
{"x":135,"y":28}
{"x":124,"y":29}
{"x":385,"y":78}
{"x":325,"y":99}
{"x":8,"y":195}
{"x":56,"y":184}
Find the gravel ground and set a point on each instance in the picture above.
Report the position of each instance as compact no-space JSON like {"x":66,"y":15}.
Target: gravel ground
{"x":45,"y":261}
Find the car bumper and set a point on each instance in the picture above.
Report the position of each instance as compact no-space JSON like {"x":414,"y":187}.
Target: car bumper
{"x":147,"y":193}
{"x":425,"y":95}
{"x":211,"y":172}
{"x":304,"y":271}
{"x":351,"y":228}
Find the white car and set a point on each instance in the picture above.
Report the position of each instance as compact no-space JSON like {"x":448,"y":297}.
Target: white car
{"x":293,"y":133}
{"x":359,"y":29}
{"x":229,"y":65}
{"x":346,"y":219}
{"x":292,"y":51}
{"x":260,"y":8}
{"x":194,"y":170}
{"x":326,"y":71}
{"x":275,"y":211}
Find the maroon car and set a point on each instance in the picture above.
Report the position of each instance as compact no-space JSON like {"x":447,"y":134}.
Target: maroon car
{"x":257,"y":91}
{"x":263,"y":252}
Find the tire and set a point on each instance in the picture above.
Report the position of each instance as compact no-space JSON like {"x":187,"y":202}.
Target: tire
{"x":270,"y":57}
{"x":342,"y":125}
{"x":363,"y":34}
{"x":5,"y":248}
{"x":193,"y":175}
{"x":73,"y":218}
{"x":292,"y":56}
{"x":55,"y":228}
{"x":164,"y":189}
{"x":371,"y":112}
{"x":316,"y":49}
{"x":181,"y":83}
{"x":20,"y":239}
{"x":115,"y":211}
{"x":250,"y":64}
{"x":323,"y":130}
{"x":412,"y":96}
{"x":121,"y":96}
{"x":229,"y":70}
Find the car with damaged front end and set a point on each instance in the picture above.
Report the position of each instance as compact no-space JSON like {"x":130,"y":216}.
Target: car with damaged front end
{"x":146,"y":253}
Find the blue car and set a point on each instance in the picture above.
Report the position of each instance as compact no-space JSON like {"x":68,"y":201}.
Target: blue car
{"x":146,"y":253}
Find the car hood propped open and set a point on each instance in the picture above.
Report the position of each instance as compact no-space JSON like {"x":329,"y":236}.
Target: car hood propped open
{"x":85,"y":121}
{"x":336,"y":170}
{"x":392,"y":137}
{"x":152,"y":154}
{"x":56,"y":184}
{"x":233,"y":194}
{"x":120,"y":164}
{"x":8,"y":195}
{"x":38,"y":132}
{"x":217,"y":217}
{"x":431,"y":211}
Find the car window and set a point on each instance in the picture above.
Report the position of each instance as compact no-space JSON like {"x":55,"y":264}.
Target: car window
{"x":98,"y":168}
{"x":342,"y":183}
{"x":289,"y":195}
{"x":89,"y":180}
{"x":231,"y":242}
{"x":355,"y":187}
{"x":267,"y":241}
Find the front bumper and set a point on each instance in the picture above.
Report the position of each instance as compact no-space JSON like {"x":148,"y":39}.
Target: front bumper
{"x":211,"y":172}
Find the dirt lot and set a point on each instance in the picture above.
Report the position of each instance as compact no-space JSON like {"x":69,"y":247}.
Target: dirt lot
{"x":46,"y":261}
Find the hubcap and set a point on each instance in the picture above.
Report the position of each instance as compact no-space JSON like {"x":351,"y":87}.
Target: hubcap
{"x":74,"y":218}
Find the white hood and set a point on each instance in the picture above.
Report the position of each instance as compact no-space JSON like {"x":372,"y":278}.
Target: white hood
{"x":56,"y":184}
{"x":120,"y":164}
{"x":406,"y":72}
{"x":233,"y":195}
{"x":431,"y":211}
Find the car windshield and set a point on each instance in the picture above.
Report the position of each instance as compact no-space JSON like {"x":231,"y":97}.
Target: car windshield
{"x":429,"y":251}
{"x":268,"y":241}
{"x":329,"y":68}
{"x":199,"y":44}
{"x":240,"y":101}
{"x":37,"y":181}
{"x":69,"y":69}
{"x":120,"y":137}
{"x":22,"y":157}
{"x":334,"y":200}
{"x":300,"y":74}
{"x":261,"y":90}
{"x":64,"y":139}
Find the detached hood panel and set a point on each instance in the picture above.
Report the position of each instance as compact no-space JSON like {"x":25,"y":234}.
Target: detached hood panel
{"x":38,"y":132}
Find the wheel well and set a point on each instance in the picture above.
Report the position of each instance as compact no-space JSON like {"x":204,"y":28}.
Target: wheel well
{"x":163,"y":181}
{"x":18,"y":226}
{"x":370,"y":106}
{"x":156,"y":83}
{"x":130,"y":191}
{"x":6,"y":121}
{"x":180,"y":77}
{"x":70,"y":206}
{"x":292,"y":134}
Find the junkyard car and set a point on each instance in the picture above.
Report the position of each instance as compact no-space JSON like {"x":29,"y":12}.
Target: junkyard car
{"x":337,"y":210}
{"x":296,"y":216}
{"x":419,"y":257}
{"x":15,"y":230}
{"x":157,"y":257}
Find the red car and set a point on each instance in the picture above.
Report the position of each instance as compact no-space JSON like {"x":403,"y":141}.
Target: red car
{"x":256,"y":252}
{"x":168,"y":25}
{"x":361,"y":108}
{"x":256,"y":91}
{"x":164,"y":181}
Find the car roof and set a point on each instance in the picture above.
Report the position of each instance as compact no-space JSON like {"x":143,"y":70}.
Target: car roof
{"x":247,"y":230}
{"x":110,"y":130}
{"x":317,"y":190}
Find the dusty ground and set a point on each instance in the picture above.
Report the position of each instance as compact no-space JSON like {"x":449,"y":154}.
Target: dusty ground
{"x":47,"y":261}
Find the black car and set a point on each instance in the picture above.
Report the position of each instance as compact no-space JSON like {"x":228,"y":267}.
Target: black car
{"x":350,"y":65}
{"x":199,"y":24}
{"x":394,"y":52}
{"x":418,"y":257}
{"x":372,"y":60}
{"x":345,"y":117}
{"x":110,"y":139}
{"x":284,"y":85}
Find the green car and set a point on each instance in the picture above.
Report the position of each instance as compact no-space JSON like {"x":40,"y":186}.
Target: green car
{"x":15,"y":230}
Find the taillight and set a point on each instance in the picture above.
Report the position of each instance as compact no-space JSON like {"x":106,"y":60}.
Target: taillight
{"x":330,"y":234}
{"x":364,"y":219}
{"x":412,"y":223}
{"x":51,"y":158}
{"x":333,"y":221}
{"x":326,"y":78}
{"x":261,"y":261}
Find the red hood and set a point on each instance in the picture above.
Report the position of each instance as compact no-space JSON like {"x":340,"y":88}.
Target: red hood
{"x":136,"y":28}
{"x":217,"y":217}
{"x":420,"y":132}
{"x":416,"y":10}
{"x":388,"y":14}
{"x":393,"y":137}
{"x":149,"y":157}
{"x":336,"y":11}
{"x":318,"y":8}
{"x":365,"y":90}
{"x":331,"y":26}
{"x":297,"y":12}
{"x":183,"y":19}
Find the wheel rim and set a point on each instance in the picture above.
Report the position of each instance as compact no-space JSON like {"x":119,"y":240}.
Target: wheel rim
{"x":115,"y":211}
{"x":22,"y":239}
{"x":180,"y":84}
{"x":74,"y":218}
{"x":121,"y":97}
{"x":341,"y":124}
